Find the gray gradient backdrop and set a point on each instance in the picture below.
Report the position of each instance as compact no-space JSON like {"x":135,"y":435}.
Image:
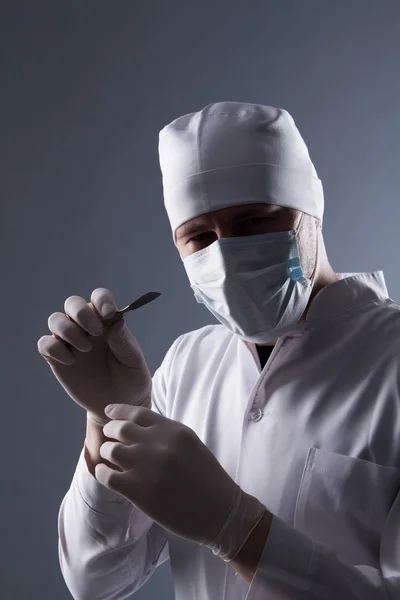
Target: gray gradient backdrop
{"x":85,"y":87}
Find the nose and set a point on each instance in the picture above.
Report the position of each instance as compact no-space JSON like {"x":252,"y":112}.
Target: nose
{"x":225,"y":231}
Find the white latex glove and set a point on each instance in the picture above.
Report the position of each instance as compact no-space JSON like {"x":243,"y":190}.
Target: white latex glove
{"x":170,"y":475}
{"x":95,"y":365}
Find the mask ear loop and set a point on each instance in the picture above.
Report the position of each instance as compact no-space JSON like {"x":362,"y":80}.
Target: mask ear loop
{"x":297,"y":230}
{"x":316,"y":254}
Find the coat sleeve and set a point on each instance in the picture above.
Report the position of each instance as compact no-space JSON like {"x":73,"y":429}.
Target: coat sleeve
{"x":107,"y":547}
{"x":293,"y":566}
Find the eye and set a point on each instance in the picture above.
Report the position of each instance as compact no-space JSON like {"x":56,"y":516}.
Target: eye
{"x":196,"y":238}
{"x":257,"y":219}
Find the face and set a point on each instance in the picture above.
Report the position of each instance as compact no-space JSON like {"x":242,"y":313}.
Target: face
{"x":248,"y":219}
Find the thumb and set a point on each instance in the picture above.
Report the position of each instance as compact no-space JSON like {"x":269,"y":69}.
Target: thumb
{"x":123,"y":344}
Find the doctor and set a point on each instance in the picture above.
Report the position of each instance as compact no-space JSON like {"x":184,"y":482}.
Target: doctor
{"x":274,"y":435}
{"x":246,"y":206}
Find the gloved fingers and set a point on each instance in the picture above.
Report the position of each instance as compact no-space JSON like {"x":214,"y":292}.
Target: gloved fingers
{"x":123,"y":483}
{"x":119,"y":454}
{"x":127,"y":432}
{"x":103,"y":302}
{"x":80,"y":312}
{"x":137,"y":414}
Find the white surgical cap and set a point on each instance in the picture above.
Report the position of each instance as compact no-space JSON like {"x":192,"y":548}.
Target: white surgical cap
{"x":234,"y":153}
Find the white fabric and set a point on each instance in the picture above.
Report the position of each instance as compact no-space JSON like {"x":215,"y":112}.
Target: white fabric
{"x":234,"y":153}
{"x":315,"y":436}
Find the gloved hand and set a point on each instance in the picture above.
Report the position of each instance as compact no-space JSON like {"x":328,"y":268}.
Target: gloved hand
{"x":99,"y":365}
{"x":170,"y":475}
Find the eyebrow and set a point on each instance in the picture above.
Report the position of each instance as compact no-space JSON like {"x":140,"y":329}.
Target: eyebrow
{"x":198,"y":227}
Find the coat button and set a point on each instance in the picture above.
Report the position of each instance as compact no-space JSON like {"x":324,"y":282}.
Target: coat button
{"x":255,"y":414}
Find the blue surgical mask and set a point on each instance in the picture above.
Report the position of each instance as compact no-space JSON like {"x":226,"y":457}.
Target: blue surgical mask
{"x":254,"y":285}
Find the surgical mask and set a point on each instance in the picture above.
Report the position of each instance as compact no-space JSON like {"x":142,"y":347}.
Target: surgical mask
{"x":254,"y":285}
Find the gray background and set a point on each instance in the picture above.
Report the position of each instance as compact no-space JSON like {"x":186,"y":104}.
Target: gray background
{"x":85,"y":87}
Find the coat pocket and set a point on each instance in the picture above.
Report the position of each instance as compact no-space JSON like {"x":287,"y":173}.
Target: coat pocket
{"x":344,"y":501}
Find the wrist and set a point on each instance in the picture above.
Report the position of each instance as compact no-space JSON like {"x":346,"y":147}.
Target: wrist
{"x":245,"y":515}
{"x":93,"y":419}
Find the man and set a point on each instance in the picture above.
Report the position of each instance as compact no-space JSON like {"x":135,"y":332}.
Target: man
{"x":295,"y":391}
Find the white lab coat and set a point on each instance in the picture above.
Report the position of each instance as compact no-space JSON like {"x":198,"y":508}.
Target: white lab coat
{"x":315,"y":436}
